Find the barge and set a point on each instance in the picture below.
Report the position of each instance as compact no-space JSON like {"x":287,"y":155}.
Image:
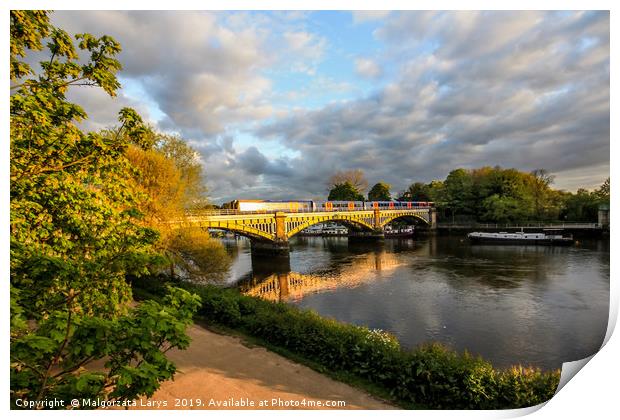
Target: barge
{"x":520,"y":238}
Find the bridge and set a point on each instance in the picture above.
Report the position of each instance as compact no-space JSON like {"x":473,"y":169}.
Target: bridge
{"x":270,"y":232}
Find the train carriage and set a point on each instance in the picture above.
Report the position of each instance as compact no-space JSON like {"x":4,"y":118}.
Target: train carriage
{"x":273,"y":205}
{"x":335,"y":205}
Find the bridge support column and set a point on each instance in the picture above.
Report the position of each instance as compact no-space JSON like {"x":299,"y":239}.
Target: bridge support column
{"x":433,"y":216}
{"x":377,"y":220}
{"x":376,"y":234}
{"x":270,"y":249}
{"x":277,"y":248}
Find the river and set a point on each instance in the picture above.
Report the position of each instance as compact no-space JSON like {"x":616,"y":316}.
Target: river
{"x":528,"y":305}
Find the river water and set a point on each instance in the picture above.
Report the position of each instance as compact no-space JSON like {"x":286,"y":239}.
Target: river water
{"x":528,"y":305}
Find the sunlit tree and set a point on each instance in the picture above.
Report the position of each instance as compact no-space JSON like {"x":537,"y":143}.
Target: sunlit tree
{"x":76,"y":232}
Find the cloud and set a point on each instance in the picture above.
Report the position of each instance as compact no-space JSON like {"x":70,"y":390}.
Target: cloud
{"x":367,"y":68}
{"x":459,"y":89}
{"x":202,"y":74}
{"x":307,"y":50}
{"x":535,"y":95}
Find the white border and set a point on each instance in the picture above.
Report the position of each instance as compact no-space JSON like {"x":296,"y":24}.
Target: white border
{"x":592,"y":393}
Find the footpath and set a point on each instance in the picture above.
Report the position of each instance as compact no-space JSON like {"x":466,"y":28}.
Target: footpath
{"x":220,"y":372}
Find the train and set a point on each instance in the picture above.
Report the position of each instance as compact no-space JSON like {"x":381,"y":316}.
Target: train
{"x":317,"y":206}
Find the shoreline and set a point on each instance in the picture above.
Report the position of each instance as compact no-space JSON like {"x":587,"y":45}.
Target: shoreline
{"x":224,"y":372}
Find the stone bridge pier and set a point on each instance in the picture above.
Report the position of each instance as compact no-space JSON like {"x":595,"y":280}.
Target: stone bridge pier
{"x":278,"y":247}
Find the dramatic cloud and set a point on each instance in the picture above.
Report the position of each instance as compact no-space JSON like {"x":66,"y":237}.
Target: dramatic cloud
{"x":274,"y":102}
{"x":525,"y":90}
{"x":202,"y":74}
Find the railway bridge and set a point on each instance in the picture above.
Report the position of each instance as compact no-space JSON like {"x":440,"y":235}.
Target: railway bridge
{"x":270,"y":232}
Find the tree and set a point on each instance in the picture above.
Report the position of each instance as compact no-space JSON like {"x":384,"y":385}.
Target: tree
{"x":380,"y":192}
{"x":76,"y":232}
{"x":502,"y":209}
{"x":187,"y":161}
{"x":355,"y":177}
{"x":541,"y":180}
{"x":603,"y":192}
{"x":345,"y":192}
{"x":418,"y":191}
{"x":580,"y":207}
{"x":159,"y":179}
{"x":459,"y":192}
{"x":165,"y":174}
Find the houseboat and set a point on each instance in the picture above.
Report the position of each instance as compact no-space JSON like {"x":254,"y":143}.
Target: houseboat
{"x":520,"y":238}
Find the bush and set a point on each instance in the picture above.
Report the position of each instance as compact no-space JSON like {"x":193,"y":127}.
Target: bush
{"x":430,"y":376}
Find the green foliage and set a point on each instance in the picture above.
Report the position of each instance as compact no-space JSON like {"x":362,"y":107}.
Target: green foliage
{"x":74,"y":222}
{"x":380,"y":192}
{"x":345,"y":192}
{"x":187,"y":161}
{"x":500,"y":195}
{"x":418,"y":191}
{"x":581,"y":207}
{"x":430,"y":376}
{"x":198,"y":256}
{"x":77,"y":232}
{"x":603,"y":192}
{"x":169,"y":176}
{"x":502,"y":209}
{"x":48,"y":361}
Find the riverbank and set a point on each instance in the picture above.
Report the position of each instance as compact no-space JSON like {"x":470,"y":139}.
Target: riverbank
{"x":431,"y":376}
{"x":225,"y":372}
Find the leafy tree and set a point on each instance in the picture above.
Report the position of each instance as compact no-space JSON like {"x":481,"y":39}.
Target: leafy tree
{"x":355,"y":177}
{"x":76,"y":232}
{"x":345,"y":192}
{"x":580,"y":207}
{"x":418,"y":191}
{"x":603,"y":192}
{"x":459,"y":192}
{"x":160,"y":181}
{"x":502,"y":209}
{"x":197,"y":256}
{"x":380,"y":192}
{"x":541,"y":180}
{"x":165,"y":174}
{"x":187,"y":161}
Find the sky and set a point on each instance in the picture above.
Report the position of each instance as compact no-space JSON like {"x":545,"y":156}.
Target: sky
{"x":276,"y":102}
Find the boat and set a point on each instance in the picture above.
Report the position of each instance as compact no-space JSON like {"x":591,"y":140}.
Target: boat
{"x":520,"y":238}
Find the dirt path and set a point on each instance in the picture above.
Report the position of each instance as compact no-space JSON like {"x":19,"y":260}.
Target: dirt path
{"x":222,"y":372}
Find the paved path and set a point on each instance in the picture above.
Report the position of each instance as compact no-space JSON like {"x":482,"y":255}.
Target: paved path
{"x":220,"y":369}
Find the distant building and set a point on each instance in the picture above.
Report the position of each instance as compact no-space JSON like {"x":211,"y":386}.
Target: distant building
{"x":603,"y":215}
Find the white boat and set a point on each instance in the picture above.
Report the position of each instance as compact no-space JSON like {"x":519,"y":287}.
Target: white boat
{"x":519,"y":238}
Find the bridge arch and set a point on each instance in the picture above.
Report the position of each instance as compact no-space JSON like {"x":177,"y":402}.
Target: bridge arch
{"x":415,"y":217}
{"x":349,"y":222}
{"x":244,"y":230}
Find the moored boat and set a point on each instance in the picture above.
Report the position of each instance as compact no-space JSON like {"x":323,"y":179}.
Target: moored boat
{"x":519,"y":238}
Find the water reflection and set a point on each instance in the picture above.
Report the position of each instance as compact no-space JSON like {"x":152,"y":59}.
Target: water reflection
{"x":510,"y":304}
{"x":276,"y":282}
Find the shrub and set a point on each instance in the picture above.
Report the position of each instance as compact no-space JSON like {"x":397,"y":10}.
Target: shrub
{"x":430,"y":376}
